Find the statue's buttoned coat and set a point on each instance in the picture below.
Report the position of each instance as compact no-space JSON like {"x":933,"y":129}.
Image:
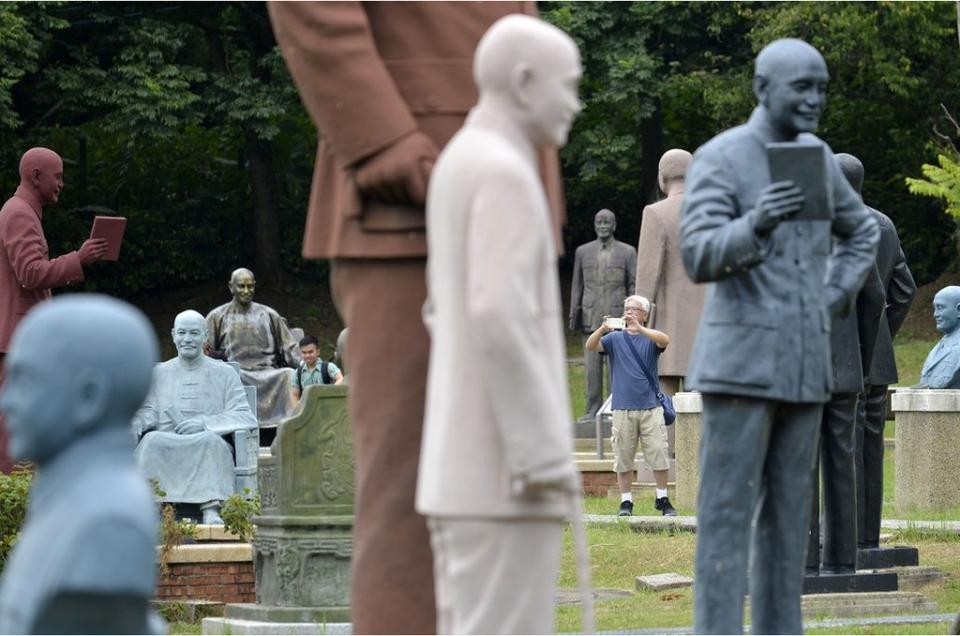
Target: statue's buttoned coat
{"x":765,"y":326}
{"x":593,"y":296}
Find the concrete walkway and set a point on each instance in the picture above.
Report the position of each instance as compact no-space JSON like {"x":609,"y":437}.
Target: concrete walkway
{"x":826,"y":623}
{"x":689,"y":524}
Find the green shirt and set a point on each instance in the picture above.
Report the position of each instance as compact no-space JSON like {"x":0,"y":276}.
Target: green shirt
{"x":313,"y":376}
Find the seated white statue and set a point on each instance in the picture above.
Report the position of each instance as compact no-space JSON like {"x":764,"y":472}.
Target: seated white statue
{"x":193,"y":402}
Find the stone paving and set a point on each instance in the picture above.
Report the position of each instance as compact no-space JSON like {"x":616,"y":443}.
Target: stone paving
{"x":656,"y":523}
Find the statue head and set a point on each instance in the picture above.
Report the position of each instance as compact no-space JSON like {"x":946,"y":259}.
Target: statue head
{"x":672,"y":168}
{"x":946,"y":309}
{"x":790,"y":82}
{"x":189,"y":333}
{"x":77,"y":365}
{"x":341,"y":353}
{"x":41,"y":172}
{"x":604,"y":224}
{"x":852,"y":169}
{"x":530,"y":71}
{"x":242,"y":284}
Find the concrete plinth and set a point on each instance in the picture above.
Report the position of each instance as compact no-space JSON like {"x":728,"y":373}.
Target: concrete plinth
{"x":850,"y":583}
{"x":242,"y":626}
{"x":887,"y":557}
{"x":689,"y":406}
{"x":928,"y":436}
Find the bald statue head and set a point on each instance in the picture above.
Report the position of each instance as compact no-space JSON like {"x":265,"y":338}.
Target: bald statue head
{"x":41,"y":172}
{"x":189,"y":333}
{"x":604,"y":224}
{"x":672,"y":169}
{"x":790,"y":82}
{"x":242,"y":285}
{"x":77,"y":365}
{"x":946,"y":309}
{"x":530,"y":71}
{"x":341,"y":352}
{"x":852,"y":169}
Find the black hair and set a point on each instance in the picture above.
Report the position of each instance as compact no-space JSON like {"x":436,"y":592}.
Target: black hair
{"x":306,"y":341}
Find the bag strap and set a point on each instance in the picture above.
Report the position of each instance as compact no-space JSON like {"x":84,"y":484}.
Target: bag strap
{"x":646,"y":372}
{"x":324,"y":371}
{"x":300,"y":377}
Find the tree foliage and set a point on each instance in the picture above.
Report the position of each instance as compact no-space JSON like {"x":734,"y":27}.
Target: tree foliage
{"x":182,"y":117}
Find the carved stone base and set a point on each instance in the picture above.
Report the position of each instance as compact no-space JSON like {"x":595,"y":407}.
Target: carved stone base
{"x":302,"y":564}
{"x":276,"y":614}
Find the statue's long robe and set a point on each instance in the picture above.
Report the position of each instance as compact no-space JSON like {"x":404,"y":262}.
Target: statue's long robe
{"x":259,"y":340}
{"x":198,"y":467}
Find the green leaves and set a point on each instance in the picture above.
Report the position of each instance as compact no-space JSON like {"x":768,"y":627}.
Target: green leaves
{"x":942,"y":182}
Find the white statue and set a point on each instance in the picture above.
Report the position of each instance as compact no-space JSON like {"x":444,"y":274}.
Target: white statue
{"x":496,"y":472}
{"x":193,"y":402}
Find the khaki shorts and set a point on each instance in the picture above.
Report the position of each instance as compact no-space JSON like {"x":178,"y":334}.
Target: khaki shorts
{"x":646,"y":427}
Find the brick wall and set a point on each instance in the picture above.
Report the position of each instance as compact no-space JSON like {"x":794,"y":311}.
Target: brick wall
{"x":220,"y":582}
{"x":596,"y":484}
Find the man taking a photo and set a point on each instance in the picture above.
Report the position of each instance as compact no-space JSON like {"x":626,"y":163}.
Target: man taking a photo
{"x":637,"y":414}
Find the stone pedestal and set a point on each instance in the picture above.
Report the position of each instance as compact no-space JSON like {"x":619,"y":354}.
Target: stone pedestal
{"x":858,"y":582}
{"x":303,"y":543}
{"x":689,"y":406}
{"x":928,"y":436}
{"x":887,"y":557}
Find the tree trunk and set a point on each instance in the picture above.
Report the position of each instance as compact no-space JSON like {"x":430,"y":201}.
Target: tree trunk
{"x":651,"y":148}
{"x":266,"y":213}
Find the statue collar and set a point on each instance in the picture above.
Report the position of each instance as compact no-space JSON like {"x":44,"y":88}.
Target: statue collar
{"x":31,"y":198}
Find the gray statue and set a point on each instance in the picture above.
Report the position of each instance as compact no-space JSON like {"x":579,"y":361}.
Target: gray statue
{"x":941,"y":369}
{"x":258,"y":339}
{"x":761,"y":356}
{"x":899,"y":290}
{"x":603,"y":275}
{"x":194,"y":401}
{"x":77,"y":369}
{"x":852,"y":343}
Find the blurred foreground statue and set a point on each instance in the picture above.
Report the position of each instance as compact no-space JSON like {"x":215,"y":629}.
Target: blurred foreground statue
{"x":783,"y":259}
{"x":387,"y":84}
{"x":496,"y":471}
{"x":77,"y":370}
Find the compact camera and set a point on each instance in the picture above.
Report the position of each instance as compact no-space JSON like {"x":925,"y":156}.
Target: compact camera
{"x":616,"y":323}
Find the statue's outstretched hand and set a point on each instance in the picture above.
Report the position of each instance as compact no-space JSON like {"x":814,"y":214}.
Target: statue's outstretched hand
{"x":777,"y":203}
{"x":400,"y":172}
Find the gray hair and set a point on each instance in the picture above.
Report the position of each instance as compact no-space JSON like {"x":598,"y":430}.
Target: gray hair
{"x":643,"y":302}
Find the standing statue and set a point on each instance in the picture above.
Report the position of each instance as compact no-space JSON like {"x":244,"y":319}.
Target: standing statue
{"x":194,"y":401}
{"x":386,"y":84}
{"x":852,"y":343}
{"x":761,"y":356}
{"x":677,"y":301}
{"x":78,"y":368}
{"x":603,"y":275}
{"x":941,"y":369}
{"x":899,"y":290}
{"x":496,"y":469}
{"x":26,"y":271}
{"x":257,"y":338}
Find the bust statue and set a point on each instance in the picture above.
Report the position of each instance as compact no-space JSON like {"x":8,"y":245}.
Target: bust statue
{"x":77,"y":369}
{"x":258,"y":339}
{"x":604,"y":273}
{"x":941,"y":370}
{"x":194,"y":401}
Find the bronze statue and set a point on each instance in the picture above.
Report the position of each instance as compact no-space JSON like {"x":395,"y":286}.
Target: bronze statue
{"x":603,"y":275}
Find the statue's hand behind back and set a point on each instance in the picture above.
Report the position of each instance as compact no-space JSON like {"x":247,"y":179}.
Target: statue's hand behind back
{"x":399,"y":173}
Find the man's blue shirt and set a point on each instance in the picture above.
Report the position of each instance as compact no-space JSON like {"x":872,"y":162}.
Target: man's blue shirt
{"x":631,"y":390}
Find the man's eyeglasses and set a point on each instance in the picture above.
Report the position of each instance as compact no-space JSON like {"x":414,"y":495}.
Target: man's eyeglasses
{"x":632,"y":309}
